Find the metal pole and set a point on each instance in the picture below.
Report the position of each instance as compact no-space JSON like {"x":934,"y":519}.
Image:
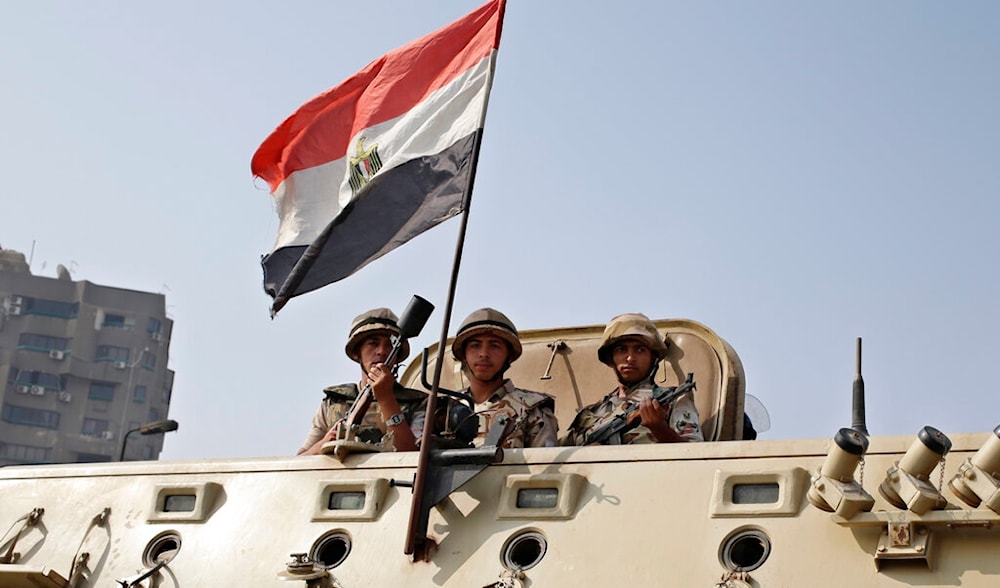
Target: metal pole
{"x":125,"y":398}
{"x":416,"y":532}
{"x":121,"y":456}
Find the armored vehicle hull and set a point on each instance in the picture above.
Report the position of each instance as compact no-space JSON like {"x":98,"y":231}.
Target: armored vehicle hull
{"x":841,"y":511}
{"x":679,"y":515}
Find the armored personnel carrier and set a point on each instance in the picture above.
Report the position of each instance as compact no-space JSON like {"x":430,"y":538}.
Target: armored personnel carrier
{"x":847,"y":510}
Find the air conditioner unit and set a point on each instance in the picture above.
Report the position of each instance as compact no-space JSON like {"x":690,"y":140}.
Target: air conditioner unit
{"x":23,"y":389}
{"x":15,"y":301}
{"x":38,"y":390}
{"x":64,"y":396}
{"x":57,"y":354}
{"x":109,"y":435}
{"x":120,"y":365}
{"x":157,"y":336}
{"x":14,"y":310}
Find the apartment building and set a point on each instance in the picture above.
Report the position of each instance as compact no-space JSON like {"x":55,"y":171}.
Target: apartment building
{"x":81,"y":365}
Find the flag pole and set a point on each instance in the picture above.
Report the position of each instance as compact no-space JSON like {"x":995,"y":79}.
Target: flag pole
{"x":416,"y":532}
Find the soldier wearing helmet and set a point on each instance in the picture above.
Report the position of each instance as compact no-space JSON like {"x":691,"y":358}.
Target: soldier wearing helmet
{"x":486,"y":344}
{"x":393,"y":408}
{"x":633,"y":347}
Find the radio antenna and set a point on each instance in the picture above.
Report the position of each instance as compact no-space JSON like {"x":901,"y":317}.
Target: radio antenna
{"x":858,"y":403}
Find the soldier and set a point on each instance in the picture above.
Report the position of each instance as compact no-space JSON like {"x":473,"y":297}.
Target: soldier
{"x":486,"y":344}
{"x":393,"y":408}
{"x":633,"y":347}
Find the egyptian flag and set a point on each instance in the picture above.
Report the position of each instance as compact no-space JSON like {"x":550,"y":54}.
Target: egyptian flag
{"x":373,"y":162}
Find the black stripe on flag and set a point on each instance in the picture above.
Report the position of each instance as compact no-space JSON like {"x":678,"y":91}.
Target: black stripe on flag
{"x":397,"y":205}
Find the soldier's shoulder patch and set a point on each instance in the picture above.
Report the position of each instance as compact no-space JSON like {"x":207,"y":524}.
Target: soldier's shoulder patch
{"x":532,"y":399}
{"x":341,"y":392}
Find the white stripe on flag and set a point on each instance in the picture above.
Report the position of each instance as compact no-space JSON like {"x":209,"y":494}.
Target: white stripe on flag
{"x":447,"y":115}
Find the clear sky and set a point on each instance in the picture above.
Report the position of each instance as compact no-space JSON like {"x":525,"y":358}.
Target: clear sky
{"x":794,"y":175}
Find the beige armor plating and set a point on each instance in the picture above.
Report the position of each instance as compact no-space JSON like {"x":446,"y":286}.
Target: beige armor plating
{"x":730,"y":513}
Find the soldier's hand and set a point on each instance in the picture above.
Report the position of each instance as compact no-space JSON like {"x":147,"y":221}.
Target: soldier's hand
{"x":381,"y":379}
{"x":333,"y":433}
{"x":654,"y":418}
{"x":651,"y":413}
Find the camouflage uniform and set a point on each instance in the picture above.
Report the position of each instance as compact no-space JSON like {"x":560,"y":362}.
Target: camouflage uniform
{"x":682,"y":418}
{"x":338,"y":403}
{"x":536,"y":422}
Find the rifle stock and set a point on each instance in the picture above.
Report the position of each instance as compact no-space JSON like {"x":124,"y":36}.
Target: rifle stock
{"x":625,"y":422}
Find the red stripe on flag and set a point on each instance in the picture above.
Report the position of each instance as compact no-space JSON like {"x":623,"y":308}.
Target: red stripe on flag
{"x":321,"y":129}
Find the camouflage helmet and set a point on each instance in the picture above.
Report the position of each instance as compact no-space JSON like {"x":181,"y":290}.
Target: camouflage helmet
{"x":630,"y":325}
{"x":375,"y":321}
{"x":489,"y":322}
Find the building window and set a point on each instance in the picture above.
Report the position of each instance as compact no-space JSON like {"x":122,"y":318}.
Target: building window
{"x":148,"y":361}
{"x":154,"y":414}
{"x":154,"y":326}
{"x":25,"y":453}
{"x":35,"y":342}
{"x":92,"y":458}
{"x":139,"y":394}
{"x":111,"y":353}
{"x":150,"y":453}
{"x":53,"y":308}
{"x":102,"y":391}
{"x":32,"y":417}
{"x":94,"y":427}
{"x":116,"y":321}
{"x":43,"y":379}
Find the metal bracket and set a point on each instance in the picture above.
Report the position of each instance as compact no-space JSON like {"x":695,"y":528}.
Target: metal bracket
{"x":447,"y":470}
{"x":29,"y":520}
{"x":78,"y":571}
{"x":903,"y":540}
{"x":952,"y":517}
{"x":907,"y":536}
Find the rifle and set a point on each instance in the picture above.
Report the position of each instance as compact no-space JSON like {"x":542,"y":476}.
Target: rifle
{"x":410,"y":324}
{"x":625,"y":422}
